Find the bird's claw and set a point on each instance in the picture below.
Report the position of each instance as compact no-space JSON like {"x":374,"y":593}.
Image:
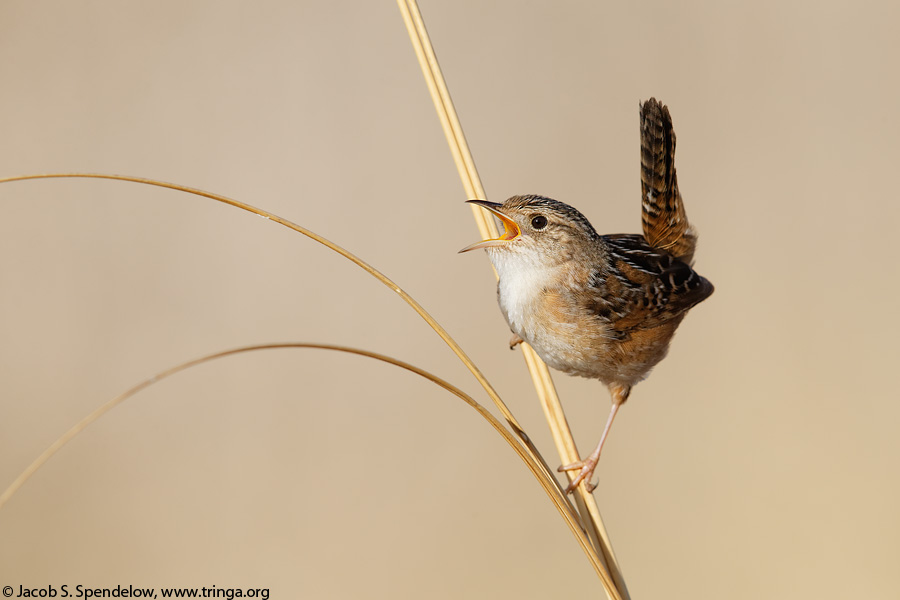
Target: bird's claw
{"x":514,"y":341}
{"x":586,"y":469}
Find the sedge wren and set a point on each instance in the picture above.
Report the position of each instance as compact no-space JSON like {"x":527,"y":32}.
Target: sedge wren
{"x":600,"y":306}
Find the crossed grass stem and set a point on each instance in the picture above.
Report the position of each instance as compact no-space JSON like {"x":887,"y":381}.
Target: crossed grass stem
{"x":514,"y":435}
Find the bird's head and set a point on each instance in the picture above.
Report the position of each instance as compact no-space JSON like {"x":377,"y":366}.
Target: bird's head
{"x":536,"y":227}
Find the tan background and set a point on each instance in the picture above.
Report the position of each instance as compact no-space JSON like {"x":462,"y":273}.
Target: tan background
{"x":759,"y":460}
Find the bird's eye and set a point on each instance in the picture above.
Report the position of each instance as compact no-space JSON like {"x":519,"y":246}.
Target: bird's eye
{"x":539,"y":222}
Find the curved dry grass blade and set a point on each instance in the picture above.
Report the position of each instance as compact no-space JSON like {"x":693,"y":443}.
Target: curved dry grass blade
{"x":547,"y":482}
{"x":479,"y":376}
{"x":540,"y":375}
{"x":547,"y":477}
{"x":325,"y":242}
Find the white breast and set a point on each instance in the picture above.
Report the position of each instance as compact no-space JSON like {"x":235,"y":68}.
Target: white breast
{"x":519,"y":289}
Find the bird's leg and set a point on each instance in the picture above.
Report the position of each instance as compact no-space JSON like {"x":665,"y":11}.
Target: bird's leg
{"x":586,"y":467}
{"x":515,"y":340}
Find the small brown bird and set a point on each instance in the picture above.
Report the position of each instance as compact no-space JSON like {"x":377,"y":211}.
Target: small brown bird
{"x":600,"y":306}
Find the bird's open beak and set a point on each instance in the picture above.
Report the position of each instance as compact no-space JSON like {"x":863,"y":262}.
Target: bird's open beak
{"x":510,"y":229}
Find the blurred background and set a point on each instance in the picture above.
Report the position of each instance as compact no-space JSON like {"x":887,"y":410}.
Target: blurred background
{"x":759,"y":459}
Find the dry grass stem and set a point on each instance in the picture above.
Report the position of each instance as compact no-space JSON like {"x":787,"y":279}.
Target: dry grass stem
{"x":105,"y":408}
{"x":534,"y":466}
{"x":325,"y":242}
{"x":462,"y":156}
{"x":520,"y":442}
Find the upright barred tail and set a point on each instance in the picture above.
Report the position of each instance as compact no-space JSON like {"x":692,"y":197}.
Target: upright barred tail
{"x":665,"y":223}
